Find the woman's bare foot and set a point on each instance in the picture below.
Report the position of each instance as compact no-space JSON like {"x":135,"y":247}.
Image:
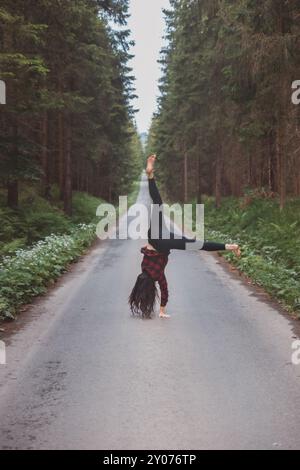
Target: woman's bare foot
{"x":235,"y":248}
{"x":150,"y":166}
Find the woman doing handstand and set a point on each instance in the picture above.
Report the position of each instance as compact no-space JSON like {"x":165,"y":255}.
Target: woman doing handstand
{"x":144,"y":294}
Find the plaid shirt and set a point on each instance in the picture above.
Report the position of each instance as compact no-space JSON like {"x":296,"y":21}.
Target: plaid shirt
{"x":154,"y":264}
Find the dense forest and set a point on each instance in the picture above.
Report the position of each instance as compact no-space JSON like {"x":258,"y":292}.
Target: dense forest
{"x":226,"y":123}
{"x":68,"y":122}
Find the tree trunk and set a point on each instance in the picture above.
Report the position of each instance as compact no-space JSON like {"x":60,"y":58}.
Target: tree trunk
{"x":61,"y":154}
{"x":296,"y":178}
{"x":282,"y":116}
{"x":13,"y":194}
{"x":199,"y":183}
{"x":271,"y":164}
{"x":13,"y":184}
{"x":218,"y":177}
{"x":185,"y":177}
{"x":45,"y":157}
{"x":68,"y":167}
{"x":282,"y":166}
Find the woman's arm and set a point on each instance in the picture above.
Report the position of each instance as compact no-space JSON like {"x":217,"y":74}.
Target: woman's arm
{"x":164,"y":297}
{"x":163,"y":285}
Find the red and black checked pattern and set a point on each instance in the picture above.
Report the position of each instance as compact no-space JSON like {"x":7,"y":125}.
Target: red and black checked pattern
{"x":154,"y":264}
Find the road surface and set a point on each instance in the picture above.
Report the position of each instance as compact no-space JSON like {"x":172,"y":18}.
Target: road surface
{"x":82,"y":373}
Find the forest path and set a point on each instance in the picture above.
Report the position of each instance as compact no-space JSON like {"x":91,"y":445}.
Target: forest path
{"x":82,"y":373}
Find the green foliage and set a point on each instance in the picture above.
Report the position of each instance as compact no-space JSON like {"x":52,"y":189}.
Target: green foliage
{"x":132,"y":197}
{"x":225,"y":119}
{"x":68,"y":119}
{"x":38,"y":218}
{"x":269,"y":239}
{"x":35,"y":219}
{"x":84,"y":208}
{"x":29,"y":272}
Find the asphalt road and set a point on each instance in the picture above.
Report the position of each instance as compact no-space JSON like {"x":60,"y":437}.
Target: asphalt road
{"x":82,"y":373}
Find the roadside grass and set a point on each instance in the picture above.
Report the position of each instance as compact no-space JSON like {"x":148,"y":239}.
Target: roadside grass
{"x":132,"y":197}
{"x":38,"y":242}
{"x":29,"y":272}
{"x":36,"y":218}
{"x":269,"y":239}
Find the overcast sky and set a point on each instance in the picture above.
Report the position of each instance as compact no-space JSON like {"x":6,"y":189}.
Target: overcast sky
{"x":147,"y":26}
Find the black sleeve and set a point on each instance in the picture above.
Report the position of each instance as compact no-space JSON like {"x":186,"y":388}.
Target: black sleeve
{"x":154,"y":193}
{"x":213,"y":246}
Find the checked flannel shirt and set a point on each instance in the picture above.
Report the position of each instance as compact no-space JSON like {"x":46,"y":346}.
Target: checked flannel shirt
{"x":154,"y":264}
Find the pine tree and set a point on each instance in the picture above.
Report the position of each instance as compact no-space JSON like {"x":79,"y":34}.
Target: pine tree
{"x":225,"y":116}
{"x":69,"y":119}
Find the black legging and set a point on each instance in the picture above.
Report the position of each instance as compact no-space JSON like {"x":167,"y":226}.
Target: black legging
{"x":171,"y":242}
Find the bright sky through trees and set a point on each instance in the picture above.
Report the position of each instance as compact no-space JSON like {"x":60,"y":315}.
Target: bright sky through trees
{"x":147,"y":26}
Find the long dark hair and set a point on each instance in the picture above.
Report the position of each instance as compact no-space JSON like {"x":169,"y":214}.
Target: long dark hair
{"x":143,"y":296}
